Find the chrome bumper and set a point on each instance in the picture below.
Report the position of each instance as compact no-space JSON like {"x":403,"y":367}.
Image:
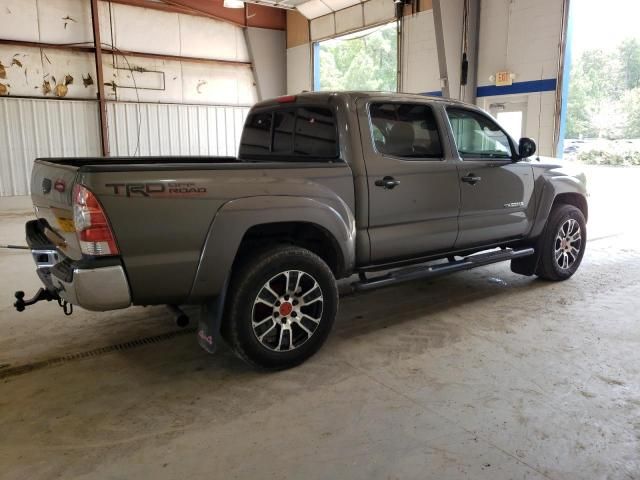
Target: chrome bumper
{"x":98,"y":289}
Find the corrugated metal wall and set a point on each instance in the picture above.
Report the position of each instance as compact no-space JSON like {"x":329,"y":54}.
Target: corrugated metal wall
{"x":156,"y":106}
{"x":161,"y":129}
{"x":31,"y":128}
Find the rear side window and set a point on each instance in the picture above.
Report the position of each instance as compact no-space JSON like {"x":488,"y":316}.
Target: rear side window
{"x":256,"y":135}
{"x":293,"y":134}
{"x":406,"y":130}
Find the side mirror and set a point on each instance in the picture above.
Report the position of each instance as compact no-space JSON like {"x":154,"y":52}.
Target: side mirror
{"x":526,"y":148}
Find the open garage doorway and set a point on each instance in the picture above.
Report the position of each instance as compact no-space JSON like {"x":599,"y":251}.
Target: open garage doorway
{"x":602,"y":115}
{"x":362,"y":60}
{"x":603,"y":102}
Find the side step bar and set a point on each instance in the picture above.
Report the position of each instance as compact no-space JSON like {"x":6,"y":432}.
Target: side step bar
{"x":428,"y":271}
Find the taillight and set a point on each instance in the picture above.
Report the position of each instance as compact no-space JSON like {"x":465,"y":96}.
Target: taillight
{"x":91,"y":224}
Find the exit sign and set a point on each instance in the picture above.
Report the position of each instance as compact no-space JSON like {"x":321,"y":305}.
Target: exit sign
{"x":503,"y":79}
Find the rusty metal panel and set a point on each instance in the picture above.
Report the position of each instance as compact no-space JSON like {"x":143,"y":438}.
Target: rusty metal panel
{"x":32,"y":128}
{"x":172,"y":129}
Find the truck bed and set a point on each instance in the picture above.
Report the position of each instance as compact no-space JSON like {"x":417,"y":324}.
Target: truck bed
{"x":103,"y":161}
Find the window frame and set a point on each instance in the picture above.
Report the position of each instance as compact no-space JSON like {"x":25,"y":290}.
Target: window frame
{"x":486,"y":117}
{"x":272,"y":110}
{"x":440,"y":158}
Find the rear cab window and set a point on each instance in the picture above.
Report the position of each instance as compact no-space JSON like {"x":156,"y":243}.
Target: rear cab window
{"x":294,"y":134}
{"x":405,"y":130}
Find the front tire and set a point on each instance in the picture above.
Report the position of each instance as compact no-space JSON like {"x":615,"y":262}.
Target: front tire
{"x":282,"y":305}
{"x":562,"y":243}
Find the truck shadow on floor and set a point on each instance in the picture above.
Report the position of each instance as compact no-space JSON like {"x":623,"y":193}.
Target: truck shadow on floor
{"x":419,"y":309}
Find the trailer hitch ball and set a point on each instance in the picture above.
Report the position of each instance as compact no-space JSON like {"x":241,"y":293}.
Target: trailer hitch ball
{"x":20,"y":305}
{"x":41,"y":295}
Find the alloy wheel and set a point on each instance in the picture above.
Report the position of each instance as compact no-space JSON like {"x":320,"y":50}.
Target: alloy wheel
{"x":568,"y":244}
{"x":287,"y":310}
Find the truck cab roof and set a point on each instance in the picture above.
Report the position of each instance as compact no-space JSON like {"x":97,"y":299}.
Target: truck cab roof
{"x":325,"y":97}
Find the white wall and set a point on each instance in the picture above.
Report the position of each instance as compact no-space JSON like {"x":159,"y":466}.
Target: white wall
{"x":134,"y":29}
{"x":420,"y":72}
{"x":166,"y":130}
{"x":523,"y":37}
{"x":194,"y":107}
{"x":31,"y":128}
{"x":268,"y":54}
{"x":299,"y":69}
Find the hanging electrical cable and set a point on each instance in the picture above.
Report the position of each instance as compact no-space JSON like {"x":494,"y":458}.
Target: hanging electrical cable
{"x":464,"y":67}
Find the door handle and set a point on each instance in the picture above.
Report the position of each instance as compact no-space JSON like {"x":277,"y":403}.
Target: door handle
{"x":387,"y":182}
{"x":471,"y":179}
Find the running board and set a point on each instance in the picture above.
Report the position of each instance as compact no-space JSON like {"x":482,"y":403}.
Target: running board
{"x":428,"y":271}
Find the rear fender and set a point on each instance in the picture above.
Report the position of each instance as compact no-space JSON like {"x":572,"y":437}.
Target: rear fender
{"x":236,"y":217}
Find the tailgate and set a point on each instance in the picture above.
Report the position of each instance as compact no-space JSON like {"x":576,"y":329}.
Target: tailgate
{"x":51,"y":193}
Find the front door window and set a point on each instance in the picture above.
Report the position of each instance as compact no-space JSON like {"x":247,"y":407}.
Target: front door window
{"x":477,"y":136}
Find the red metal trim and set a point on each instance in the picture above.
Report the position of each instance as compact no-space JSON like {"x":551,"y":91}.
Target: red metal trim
{"x":129,"y":53}
{"x":104,"y":137}
{"x":173,"y":57}
{"x":21,"y":43}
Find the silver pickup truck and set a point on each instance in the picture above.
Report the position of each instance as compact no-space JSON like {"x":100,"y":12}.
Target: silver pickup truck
{"x":390,"y":187}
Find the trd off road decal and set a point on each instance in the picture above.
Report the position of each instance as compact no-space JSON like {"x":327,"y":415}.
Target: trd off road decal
{"x":157,"y":189}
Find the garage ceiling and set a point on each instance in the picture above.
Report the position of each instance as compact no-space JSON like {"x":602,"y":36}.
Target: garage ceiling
{"x":310,"y":8}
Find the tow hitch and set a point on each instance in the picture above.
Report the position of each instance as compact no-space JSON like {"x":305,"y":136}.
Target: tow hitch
{"x":42,"y":295}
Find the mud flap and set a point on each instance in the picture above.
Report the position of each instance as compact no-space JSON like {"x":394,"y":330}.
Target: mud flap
{"x":525,"y":265}
{"x":209,"y":323}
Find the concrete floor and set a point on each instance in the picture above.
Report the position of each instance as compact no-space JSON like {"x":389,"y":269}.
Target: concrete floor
{"x":481,"y":375}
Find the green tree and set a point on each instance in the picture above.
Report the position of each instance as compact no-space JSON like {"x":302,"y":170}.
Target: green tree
{"x":630,"y":62}
{"x":595,"y":86}
{"x":632,"y":108}
{"x":368,"y":62}
{"x":604,"y":93}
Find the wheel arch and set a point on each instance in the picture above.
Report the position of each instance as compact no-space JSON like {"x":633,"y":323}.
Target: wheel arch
{"x":305,"y":234}
{"x":243,"y":224}
{"x":572,"y":198}
{"x":557,"y":191}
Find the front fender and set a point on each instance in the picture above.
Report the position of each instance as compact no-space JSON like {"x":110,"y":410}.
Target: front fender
{"x":555,"y":183}
{"x":236,"y":217}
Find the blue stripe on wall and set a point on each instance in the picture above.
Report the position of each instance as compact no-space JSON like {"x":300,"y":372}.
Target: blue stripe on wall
{"x":535,"y":86}
{"x":436,"y":93}
{"x":316,"y":67}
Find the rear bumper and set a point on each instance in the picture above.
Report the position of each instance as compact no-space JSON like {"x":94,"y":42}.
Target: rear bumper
{"x":98,"y":289}
{"x":99,"y":284}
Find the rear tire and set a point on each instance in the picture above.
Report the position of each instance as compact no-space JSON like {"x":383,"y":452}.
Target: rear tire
{"x":562,"y":243}
{"x":282,"y":305}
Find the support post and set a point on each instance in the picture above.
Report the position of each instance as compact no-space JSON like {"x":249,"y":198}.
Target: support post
{"x":102,"y":103}
{"x":442,"y":58}
{"x":469,"y":94}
